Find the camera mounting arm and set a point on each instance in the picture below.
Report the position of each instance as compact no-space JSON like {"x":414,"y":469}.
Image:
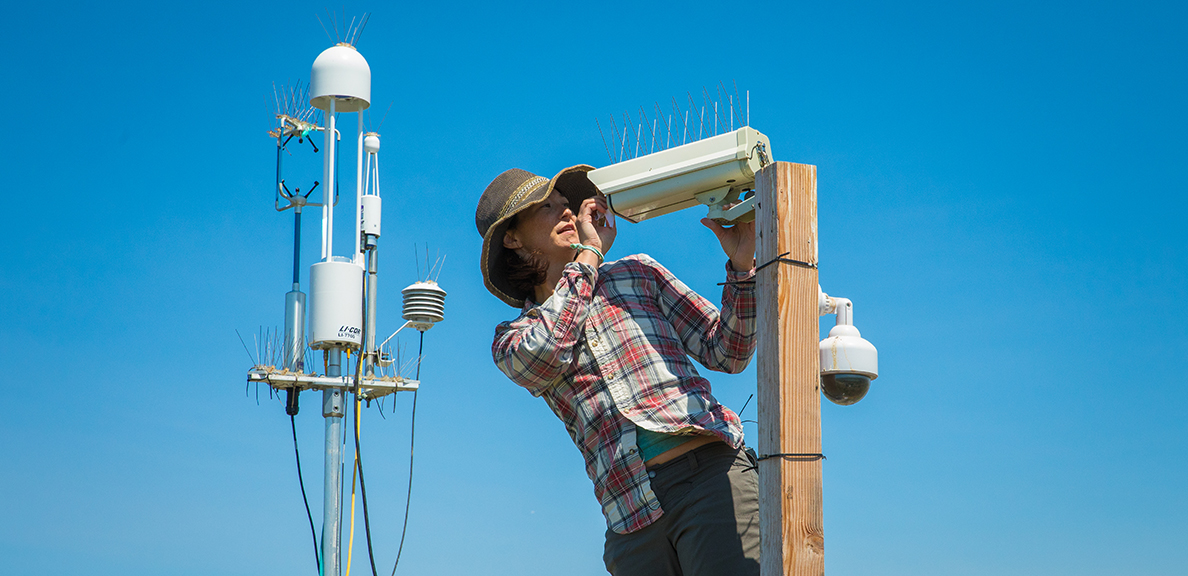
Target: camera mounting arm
{"x":840,"y":306}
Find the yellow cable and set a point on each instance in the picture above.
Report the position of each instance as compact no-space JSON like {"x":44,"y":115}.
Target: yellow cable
{"x":351,"y":540}
{"x":354,"y":474}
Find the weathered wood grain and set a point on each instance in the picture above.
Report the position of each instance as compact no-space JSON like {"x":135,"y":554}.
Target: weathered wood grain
{"x":789,"y":400}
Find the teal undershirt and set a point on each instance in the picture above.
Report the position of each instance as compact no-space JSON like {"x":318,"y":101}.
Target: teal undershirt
{"x":652,"y":444}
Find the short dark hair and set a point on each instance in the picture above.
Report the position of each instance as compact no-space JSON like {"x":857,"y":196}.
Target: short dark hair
{"x":523,"y":275}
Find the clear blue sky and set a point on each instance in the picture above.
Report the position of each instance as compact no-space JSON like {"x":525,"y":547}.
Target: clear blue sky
{"x":1001,"y":193}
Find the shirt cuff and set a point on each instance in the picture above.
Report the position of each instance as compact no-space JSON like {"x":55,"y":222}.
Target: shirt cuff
{"x":590,"y":272}
{"x":733,"y":277}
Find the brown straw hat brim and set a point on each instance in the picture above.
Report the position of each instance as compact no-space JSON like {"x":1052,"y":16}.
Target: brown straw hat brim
{"x":509,"y":194}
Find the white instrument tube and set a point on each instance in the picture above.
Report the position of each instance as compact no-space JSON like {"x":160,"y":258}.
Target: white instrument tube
{"x":328,"y":194}
{"x":375,"y":174}
{"x":359,"y":196}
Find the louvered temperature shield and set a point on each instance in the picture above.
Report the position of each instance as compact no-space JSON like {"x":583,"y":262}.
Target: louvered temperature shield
{"x":424,"y":304}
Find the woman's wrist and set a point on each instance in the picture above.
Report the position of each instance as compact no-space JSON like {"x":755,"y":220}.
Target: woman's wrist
{"x":588,"y":253}
{"x":589,"y":258}
{"x":742,"y":267}
{"x":590,"y":240}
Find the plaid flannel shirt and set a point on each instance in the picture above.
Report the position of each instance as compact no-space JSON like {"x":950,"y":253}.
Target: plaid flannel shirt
{"x":610,"y":350}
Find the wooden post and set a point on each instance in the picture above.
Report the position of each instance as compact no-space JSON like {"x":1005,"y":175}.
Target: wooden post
{"x":791,"y":521}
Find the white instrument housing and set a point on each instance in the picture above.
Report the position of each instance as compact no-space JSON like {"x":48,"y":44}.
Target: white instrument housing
{"x":335,"y":304}
{"x":709,"y":171}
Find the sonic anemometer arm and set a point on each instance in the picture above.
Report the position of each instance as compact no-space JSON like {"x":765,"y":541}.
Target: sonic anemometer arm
{"x":291,"y":127}
{"x":296,"y":199}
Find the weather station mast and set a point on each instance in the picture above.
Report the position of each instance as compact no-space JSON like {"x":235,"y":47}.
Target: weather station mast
{"x":343,"y":289}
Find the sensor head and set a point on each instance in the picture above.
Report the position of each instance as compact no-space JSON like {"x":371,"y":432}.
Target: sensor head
{"x":844,"y":389}
{"x":371,"y":142}
{"x":340,"y":73}
{"x":424,"y":304}
{"x":848,"y":364}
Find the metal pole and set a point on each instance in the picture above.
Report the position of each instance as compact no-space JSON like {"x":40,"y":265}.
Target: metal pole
{"x":294,"y":354}
{"x":279,"y":156}
{"x":369,"y":324}
{"x":297,"y":247}
{"x":357,"y":256}
{"x":332,"y":410}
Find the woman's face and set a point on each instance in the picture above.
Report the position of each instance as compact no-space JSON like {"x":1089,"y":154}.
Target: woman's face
{"x":545,"y":230}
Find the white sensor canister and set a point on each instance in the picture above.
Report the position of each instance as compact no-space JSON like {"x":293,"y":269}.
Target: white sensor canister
{"x":335,"y":304}
{"x":370,"y":214}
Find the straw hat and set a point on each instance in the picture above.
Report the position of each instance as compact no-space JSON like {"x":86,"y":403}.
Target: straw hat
{"x":510,"y":193}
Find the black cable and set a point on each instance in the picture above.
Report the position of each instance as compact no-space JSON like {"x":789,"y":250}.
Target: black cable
{"x":411,"y":444}
{"x":800,"y":457}
{"x":779,"y":259}
{"x":359,"y":464}
{"x":744,"y":408}
{"x":804,"y":456}
{"x":313,"y":531}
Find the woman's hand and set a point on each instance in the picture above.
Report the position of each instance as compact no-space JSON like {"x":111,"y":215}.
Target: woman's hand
{"x":738,"y":242}
{"x":593,"y":227}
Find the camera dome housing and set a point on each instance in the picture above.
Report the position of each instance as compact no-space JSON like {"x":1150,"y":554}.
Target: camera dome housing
{"x":848,"y":364}
{"x":845,"y":389}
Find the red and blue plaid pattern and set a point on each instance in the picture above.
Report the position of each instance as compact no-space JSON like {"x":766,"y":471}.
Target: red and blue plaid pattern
{"x":610,"y":350}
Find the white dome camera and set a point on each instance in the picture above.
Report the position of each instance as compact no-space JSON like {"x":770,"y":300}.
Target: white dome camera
{"x":848,"y":362}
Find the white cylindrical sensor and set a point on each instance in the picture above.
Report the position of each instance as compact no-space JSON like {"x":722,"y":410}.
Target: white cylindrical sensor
{"x":369,"y":214}
{"x":335,"y":304}
{"x":371,"y":142}
{"x":294,"y":343}
{"x":340,"y":73}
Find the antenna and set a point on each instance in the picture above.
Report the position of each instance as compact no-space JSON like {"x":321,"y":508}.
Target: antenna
{"x":603,"y":136}
{"x":332,"y":39}
{"x":381,"y":123}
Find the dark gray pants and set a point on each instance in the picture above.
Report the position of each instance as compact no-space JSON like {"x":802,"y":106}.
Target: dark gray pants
{"x":710,"y":526}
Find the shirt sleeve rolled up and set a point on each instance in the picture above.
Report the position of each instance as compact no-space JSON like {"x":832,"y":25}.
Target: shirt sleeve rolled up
{"x":535,"y":349}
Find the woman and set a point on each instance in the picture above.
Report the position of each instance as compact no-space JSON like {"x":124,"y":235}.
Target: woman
{"x":607,"y":345}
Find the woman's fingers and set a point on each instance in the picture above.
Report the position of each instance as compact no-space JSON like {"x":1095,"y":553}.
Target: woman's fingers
{"x":592,"y":225}
{"x":738,"y":241}
{"x":592,"y":207}
{"x":717,"y":229}
{"x":725,"y":236}
{"x":594,"y":213}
